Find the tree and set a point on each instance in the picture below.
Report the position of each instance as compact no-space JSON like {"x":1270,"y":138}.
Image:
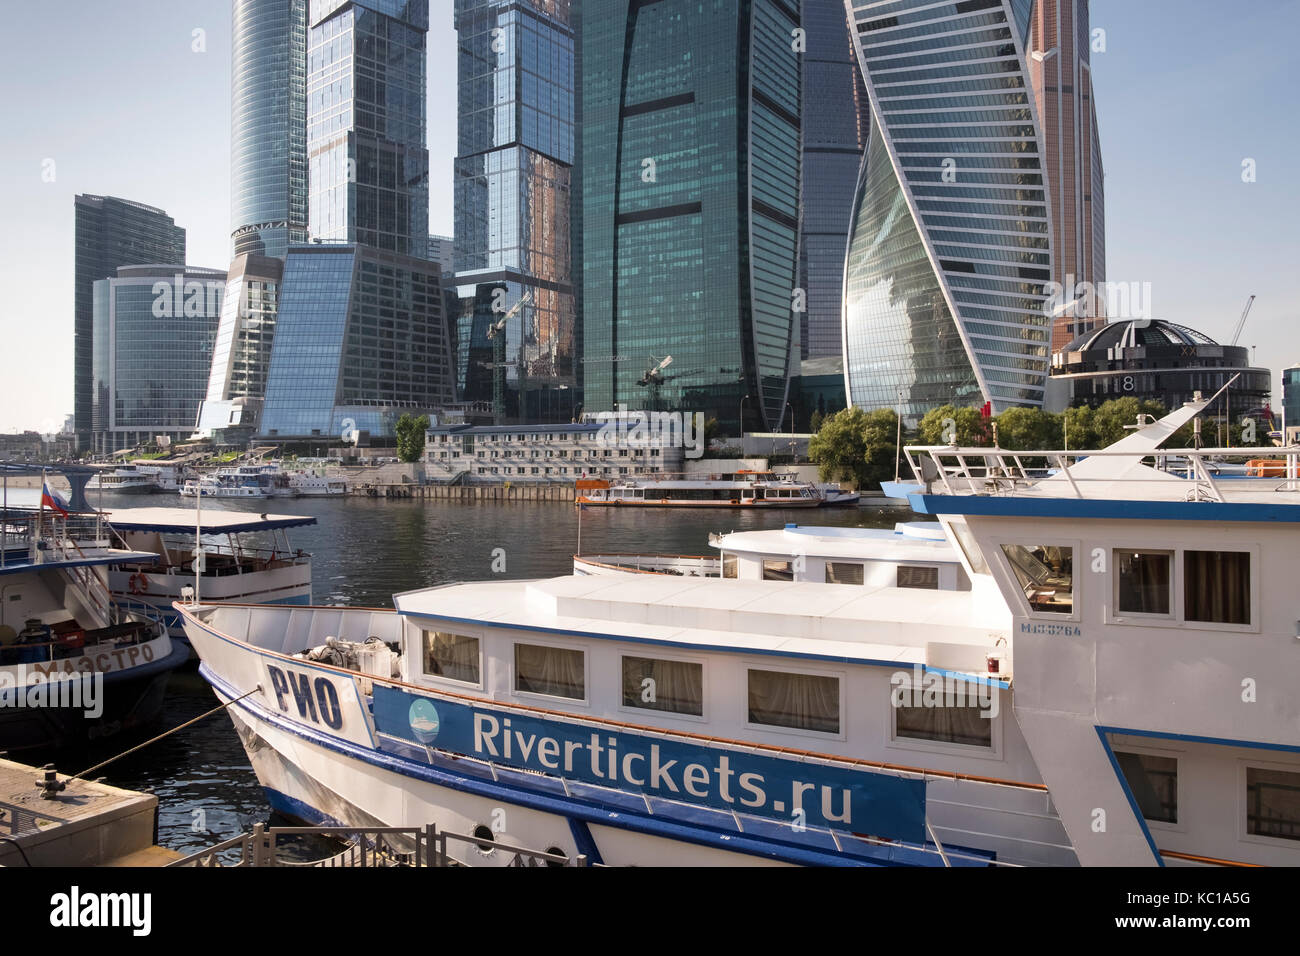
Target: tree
{"x":815,"y":423}
{"x":939,"y":424}
{"x":855,"y":446}
{"x":410,"y":437}
{"x":1022,"y":429}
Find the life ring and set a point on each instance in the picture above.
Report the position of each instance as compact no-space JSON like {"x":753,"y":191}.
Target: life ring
{"x":138,"y":584}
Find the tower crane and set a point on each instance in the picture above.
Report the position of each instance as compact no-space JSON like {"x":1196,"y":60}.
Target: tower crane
{"x":1241,"y":322}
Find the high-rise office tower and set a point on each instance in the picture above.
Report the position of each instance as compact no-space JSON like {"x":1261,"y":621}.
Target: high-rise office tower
{"x":836,"y":119}
{"x":1060,"y":75}
{"x":268,"y":126}
{"x":950,"y":248}
{"x":361,"y":334}
{"x":109,"y":233}
{"x":368,"y":168}
{"x":154,"y":329}
{"x":690,"y":180}
{"x":515,"y":85}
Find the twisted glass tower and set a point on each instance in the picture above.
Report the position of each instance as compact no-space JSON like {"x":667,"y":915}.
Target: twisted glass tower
{"x":268,"y":126}
{"x":950,"y":246}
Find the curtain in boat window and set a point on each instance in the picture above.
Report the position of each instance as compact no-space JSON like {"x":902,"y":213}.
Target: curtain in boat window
{"x":954,"y":721}
{"x":1144,"y":578}
{"x":1273,"y":803}
{"x":803,"y":701}
{"x":555,"y":671}
{"x":1216,"y":586}
{"x":840,"y":572}
{"x":674,"y":686}
{"x":453,"y":656}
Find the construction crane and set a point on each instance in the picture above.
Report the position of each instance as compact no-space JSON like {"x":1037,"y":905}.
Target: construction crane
{"x":497,"y":334}
{"x":655,"y":376}
{"x":1241,"y":322}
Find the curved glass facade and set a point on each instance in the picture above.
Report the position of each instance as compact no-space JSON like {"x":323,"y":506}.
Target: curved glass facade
{"x":268,"y":126}
{"x":691,"y":172}
{"x":950,"y":249}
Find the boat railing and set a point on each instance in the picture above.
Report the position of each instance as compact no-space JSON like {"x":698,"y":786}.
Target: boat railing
{"x":425,"y":846}
{"x":130,"y":626}
{"x":1004,"y":472}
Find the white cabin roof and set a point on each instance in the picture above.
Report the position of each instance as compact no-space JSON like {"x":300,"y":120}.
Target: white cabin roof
{"x":861,"y":624}
{"x":213,"y":520}
{"x":909,"y":541}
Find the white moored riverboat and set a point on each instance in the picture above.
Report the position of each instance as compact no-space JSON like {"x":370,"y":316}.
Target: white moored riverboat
{"x":247,"y":557}
{"x":742,"y":489}
{"x":125,"y":480}
{"x":1133,"y":670}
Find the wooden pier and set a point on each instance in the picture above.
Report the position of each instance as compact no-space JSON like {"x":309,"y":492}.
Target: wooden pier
{"x":75,"y":822}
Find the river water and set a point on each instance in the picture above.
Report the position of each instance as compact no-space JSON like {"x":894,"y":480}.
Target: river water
{"x":364,"y":550}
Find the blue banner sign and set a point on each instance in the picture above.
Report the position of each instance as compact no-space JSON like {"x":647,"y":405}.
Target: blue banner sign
{"x":810,"y":794}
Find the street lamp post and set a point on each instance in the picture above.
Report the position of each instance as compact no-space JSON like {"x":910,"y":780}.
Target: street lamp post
{"x":741,"y":424}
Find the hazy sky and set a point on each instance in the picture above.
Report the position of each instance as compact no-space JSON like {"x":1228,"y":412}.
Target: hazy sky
{"x":114,"y":93}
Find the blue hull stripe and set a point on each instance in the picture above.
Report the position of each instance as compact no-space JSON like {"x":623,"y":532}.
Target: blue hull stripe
{"x":1089,"y":508}
{"x":588,"y":813}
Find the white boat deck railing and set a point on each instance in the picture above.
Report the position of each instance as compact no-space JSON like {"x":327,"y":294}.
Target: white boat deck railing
{"x":1007,"y":473}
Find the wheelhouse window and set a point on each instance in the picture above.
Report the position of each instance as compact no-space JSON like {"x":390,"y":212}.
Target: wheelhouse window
{"x":1273,"y":803}
{"x":1046,"y":574}
{"x":673,"y":686}
{"x":800,"y":701}
{"x":778,"y":571}
{"x":452,"y":656}
{"x":1216,"y":586}
{"x":1153,"y":781}
{"x":840,"y":572}
{"x":553,"y":671}
{"x":918,"y":577}
{"x":1145,"y":581}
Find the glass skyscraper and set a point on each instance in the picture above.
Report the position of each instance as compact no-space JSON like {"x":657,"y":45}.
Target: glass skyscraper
{"x":690,"y":181}
{"x":268,"y":126}
{"x":360,"y":336}
{"x":368,"y":169}
{"x":154,"y":327}
{"x":836,"y":120}
{"x":110,"y":232}
{"x":515,"y":82}
{"x":1291,"y":405}
{"x":950,"y":245}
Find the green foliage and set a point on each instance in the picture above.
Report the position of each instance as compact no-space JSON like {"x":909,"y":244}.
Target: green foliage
{"x":855,"y":447}
{"x":710,"y":430}
{"x":815,"y":423}
{"x":410,"y":437}
{"x":970,"y":426}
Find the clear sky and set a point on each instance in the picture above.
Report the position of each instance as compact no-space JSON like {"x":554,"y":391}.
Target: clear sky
{"x":116,"y":95}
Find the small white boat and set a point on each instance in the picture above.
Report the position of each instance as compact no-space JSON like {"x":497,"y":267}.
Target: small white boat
{"x":741,"y":489}
{"x":125,"y":480}
{"x":247,"y":558}
{"x":244,"y":481}
{"x":309,"y":485}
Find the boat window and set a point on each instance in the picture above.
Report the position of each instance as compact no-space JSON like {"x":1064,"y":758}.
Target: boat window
{"x":840,"y":572}
{"x":974,"y":556}
{"x":453,"y":656}
{"x":801,"y":701}
{"x":1154,"y":782}
{"x":554,"y":671}
{"x":778,"y":571}
{"x":1046,"y":573}
{"x":1216,"y":586}
{"x":674,"y":686}
{"x":729,"y":566}
{"x":910,"y":576}
{"x":1273,"y":803}
{"x":1144,"y":581}
{"x":951,"y":718}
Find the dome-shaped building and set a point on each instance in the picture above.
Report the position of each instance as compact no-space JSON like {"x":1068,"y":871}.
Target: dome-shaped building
{"x":1153,"y":359}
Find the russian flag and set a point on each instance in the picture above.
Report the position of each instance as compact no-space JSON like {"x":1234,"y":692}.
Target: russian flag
{"x":51,"y":499}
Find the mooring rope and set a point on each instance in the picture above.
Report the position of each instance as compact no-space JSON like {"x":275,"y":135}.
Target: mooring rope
{"x":164,"y":734}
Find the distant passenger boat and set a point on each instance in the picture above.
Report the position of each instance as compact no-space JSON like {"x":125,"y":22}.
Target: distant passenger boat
{"x":741,"y":489}
{"x":316,"y":485}
{"x":245,"y":481}
{"x":125,"y":480}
